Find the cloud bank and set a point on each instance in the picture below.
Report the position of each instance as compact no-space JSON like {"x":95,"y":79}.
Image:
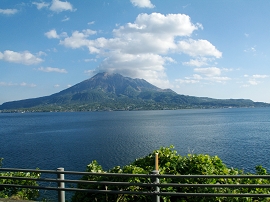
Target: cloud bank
{"x":140,"y":49}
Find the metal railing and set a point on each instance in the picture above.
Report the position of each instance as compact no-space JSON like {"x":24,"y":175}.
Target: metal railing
{"x":155,"y":186}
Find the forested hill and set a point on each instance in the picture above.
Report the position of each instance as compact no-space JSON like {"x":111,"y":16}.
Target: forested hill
{"x":115,"y":92}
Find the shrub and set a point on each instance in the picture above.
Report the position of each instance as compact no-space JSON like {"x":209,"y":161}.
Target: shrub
{"x":18,"y":193}
{"x":172,"y":163}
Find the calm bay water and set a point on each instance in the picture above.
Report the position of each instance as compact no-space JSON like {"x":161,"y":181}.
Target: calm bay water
{"x":240,"y":137}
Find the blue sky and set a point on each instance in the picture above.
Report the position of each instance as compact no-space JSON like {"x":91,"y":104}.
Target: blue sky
{"x":217,"y":49}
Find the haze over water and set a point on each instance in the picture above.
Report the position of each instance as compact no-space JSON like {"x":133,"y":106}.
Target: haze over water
{"x":240,"y":137}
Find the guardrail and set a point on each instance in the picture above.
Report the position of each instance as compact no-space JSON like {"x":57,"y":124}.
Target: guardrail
{"x":155,"y":184}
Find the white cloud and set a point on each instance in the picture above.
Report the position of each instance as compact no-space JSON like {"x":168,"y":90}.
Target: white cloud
{"x":198,"y":48}
{"x":142,"y":3}
{"x":90,"y":60}
{"x":59,"y":6}
{"x":196,"y":78}
{"x":41,"y":5}
{"x":66,"y":19}
{"x":147,"y":66}
{"x":210,"y":71}
{"x":52,"y":34}
{"x":41,"y":53}
{"x":140,"y":49}
{"x":56,"y":85}
{"x":253,"y":82}
{"x":23,"y":84}
{"x":79,"y":39}
{"x":130,"y":62}
{"x":51,"y":69}
{"x":8,"y":11}
{"x":227,"y":70}
{"x":25,"y":57}
{"x":89,"y":32}
{"x":52,"y":50}
{"x":251,"y":49}
{"x":156,"y":24}
{"x":186,"y":81}
{"x":91,"y":23}
{"x":153,"y":33}
{"x":198,"y":62}
{"x":186,"y":6}
{"x":258,"y":76}
{"x":218,"y":79}
{"x":7,"y":84}
{"x":169,"y":60}
{"x":255,"y":79}
{"x":90,"y":72}
{"x":210,"y":74}
{"x":28,"y":85}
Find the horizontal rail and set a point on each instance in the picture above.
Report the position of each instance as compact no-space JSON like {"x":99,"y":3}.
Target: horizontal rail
{"x":139,"y":184}
{"x":135,"y":175}
{"x":83,"y":190}
{"x":139,"y":193}
{"x":153,"y":183}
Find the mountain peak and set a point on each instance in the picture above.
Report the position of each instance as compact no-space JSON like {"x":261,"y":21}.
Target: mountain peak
{"x":105,"y":74}
{"x":112,"y":83}
{"x":114,"y":91}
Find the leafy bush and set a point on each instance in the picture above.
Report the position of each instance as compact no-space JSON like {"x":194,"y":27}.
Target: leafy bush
{"x":18,"y":193}
{"x":172,"y":163}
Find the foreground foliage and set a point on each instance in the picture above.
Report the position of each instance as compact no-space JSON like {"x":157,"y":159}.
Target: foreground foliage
{"x":172,"y":163}
{"x":18,"y":193}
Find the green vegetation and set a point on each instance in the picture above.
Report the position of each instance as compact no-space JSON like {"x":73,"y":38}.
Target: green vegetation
{"x":128,"y":105}
{"x":172,"y":163}
{"x":169,"y":163}
{"x":18,"y":193}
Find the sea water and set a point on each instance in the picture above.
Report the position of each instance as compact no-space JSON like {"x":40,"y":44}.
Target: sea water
{"x":239,"y":136}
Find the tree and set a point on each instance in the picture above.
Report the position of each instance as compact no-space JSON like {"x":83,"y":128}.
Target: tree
{"x":172,"y":163}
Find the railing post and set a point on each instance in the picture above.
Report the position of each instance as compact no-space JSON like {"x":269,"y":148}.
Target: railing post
{"x":61,"y":194}
{"x":155,"y":180}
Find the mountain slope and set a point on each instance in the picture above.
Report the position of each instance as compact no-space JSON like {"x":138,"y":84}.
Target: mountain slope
{"x":115,"y":92}
{"x":111,"y":83}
